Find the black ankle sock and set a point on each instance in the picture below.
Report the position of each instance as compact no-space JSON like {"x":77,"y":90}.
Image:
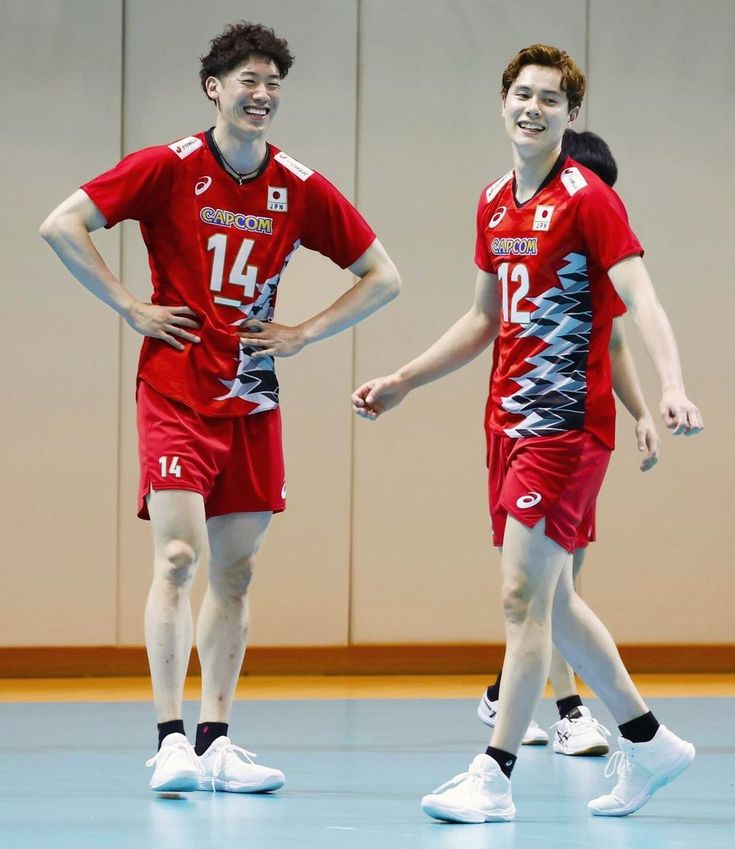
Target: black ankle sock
{"x":207,"y":733}
{"x":640,"y":730}
{"x":505,"y":760}
{"x":493,"y":691}
{"x":175,"y":726}
{"x":568,"y":704}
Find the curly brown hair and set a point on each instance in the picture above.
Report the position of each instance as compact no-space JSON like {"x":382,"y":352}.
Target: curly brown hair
{"x":572,"y":77}
{"x":237,"y":43}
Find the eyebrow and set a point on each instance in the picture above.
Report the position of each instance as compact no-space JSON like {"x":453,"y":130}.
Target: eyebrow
{"x":526,"y":87}
{"x":256,"y":74}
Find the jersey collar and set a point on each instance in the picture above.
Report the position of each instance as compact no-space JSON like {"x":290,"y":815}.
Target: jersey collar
{"x":555,"y":169}
{"x":214,"y":150}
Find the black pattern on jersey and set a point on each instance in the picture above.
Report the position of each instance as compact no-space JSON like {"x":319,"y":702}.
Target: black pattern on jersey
{"x":256,"y":379}
{"x":551,"y":395}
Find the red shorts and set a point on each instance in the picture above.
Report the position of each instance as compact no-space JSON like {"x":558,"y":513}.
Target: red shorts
{"x":556,"y":478}
{"x":235,"y":463}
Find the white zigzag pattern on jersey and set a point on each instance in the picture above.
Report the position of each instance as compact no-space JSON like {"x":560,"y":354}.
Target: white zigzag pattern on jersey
{"x":563,"y":320}
{"x":249,"y":370}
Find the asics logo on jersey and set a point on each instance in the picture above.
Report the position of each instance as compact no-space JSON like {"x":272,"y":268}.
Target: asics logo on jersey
{"x":511,"y":246}
{"x":497,"y":217}
{"x":283,"y":490}
{"x":530,"y":500}
{"x":202,"y":184}
{"x":240,"y":220}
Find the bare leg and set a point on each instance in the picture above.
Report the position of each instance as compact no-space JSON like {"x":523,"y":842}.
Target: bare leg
{"x":179,"y":535}
{"x":223,"y":621}
{"x":561,"y":673}
{"x":587,"y":644}
{"x":531,"y":565}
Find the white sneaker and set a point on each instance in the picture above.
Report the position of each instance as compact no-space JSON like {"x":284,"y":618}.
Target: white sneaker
{"x":643,"y":768}
{"x":579,"y":733}
{"x":487,"y":711}
{"x":482,"y":794}
{"x":229,"y":768}
{"x":177,"y":768}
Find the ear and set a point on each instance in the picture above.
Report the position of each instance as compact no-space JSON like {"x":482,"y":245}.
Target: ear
{"x":212,"y":86}
{"x":573,"y":114}
{"x":502,"y":106}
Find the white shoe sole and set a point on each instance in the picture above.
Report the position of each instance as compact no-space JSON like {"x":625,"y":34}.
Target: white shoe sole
{"x":655,"y":783}
{"x":434,"y":808}
{"x":535,"y":741}
{"x":184,"y":782}
{"x":600,"y":749}
{"x":265,"y":786}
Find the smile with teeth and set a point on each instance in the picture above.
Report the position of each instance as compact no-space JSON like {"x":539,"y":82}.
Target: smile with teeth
{"x":256,"y":111}
{"x":530,"y":125}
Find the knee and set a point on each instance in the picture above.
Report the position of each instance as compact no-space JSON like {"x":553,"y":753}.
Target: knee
{"x":233,"y":577}
{"x":516,"y":601}
{"x":177,"y":563}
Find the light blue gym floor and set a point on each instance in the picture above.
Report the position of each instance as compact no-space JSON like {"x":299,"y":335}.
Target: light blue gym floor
{"x":73,"y":775}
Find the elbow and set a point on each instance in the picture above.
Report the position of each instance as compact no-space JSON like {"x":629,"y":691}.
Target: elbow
{"x":391,"y":284}
{"x":48,"y":229}
{"x":52,"y":230}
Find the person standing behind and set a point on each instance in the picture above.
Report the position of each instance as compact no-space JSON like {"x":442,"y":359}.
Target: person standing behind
{"x":550,"y":240}
{"x":222,"y":213}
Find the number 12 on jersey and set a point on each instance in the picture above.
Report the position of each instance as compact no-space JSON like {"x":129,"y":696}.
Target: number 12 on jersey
{"x":518,"y":274}
{"x":241,"y":274}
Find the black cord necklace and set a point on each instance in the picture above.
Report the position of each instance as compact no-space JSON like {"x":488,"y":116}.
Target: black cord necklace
{"x":239,"y":176}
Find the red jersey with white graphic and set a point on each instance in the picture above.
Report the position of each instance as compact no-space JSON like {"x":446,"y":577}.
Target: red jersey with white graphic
{"x":551,"y":255}
{"x":219,"y":246}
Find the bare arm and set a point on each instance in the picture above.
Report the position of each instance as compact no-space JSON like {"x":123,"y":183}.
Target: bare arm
{"x":379,"y":283}
{"x":634,"y":286}
{"x":628,"y":389}
{"x":460,"y":344}
{"x":67,"y":229}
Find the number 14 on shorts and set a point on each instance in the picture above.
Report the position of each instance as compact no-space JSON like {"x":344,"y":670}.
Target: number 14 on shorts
{"x":170,"y":466}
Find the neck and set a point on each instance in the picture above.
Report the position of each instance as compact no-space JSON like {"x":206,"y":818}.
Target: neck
{"x":242,"y":152}
{"x":531,"y":172}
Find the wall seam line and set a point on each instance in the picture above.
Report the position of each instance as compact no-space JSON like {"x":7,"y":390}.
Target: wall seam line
{"x":353,"y":370}
{"x":118,"y":488}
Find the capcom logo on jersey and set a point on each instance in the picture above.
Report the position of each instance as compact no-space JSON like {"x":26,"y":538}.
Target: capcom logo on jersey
{"x":240,"y":220}
{"x":511,"y":246}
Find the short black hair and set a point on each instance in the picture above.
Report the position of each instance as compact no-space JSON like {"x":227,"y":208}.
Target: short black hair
{"x":237,"y":43}
{"x":593,"y":152}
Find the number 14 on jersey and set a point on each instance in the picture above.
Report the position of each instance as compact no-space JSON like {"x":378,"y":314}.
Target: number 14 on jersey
{"x":241,"y":274}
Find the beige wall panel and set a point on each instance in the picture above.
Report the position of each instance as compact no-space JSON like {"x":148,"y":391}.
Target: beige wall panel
{"x":60,"y":66}
{"x":430,"y":137}
{"x":662,"y":77}
{"x":301,"y":592}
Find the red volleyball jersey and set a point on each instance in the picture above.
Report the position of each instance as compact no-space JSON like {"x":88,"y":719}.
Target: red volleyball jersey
{"x":551,"y":255}
{"x":219,"y":246}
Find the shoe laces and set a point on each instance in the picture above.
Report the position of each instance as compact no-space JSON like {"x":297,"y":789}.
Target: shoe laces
{"x":474,"y":779}
{"x":578,"y":723}
{"x":221,"y":758}
{"x":620,"y":763}
{"x":165,"y":752}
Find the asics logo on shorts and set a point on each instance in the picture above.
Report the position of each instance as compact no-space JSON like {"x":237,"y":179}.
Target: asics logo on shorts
{"x":530,"y":500}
